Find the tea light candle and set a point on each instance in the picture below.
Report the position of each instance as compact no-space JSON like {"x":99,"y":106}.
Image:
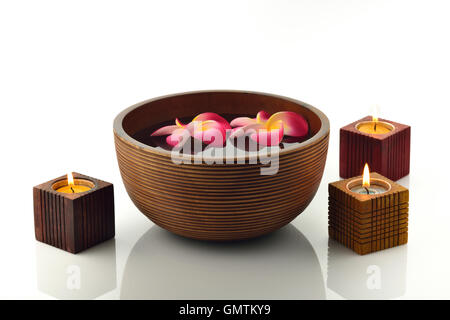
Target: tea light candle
{"x":374,"y":127}
{"x":368,"y":186}
{"x":73,"y":186}
{"x":374,"y":189}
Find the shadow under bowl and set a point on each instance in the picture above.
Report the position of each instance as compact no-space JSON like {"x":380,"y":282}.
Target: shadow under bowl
{"x":219,"y":201}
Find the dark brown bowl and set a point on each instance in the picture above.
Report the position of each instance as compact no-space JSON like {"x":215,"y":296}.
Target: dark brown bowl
{"x":219,"y":201}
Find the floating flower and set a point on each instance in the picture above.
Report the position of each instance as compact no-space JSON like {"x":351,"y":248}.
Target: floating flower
{"x":268,"y":129}
{"x":261,"y":117}
{"x":208,"y":127}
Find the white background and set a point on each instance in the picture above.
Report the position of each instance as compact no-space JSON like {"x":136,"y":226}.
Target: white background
{"x":68,"y":67}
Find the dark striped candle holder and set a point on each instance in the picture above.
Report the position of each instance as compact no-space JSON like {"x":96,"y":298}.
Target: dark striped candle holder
{"x":74,"y":221}
{"x":386,"y":153}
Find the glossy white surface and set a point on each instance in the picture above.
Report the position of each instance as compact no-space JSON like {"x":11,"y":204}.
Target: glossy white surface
{"x":67,"y":69}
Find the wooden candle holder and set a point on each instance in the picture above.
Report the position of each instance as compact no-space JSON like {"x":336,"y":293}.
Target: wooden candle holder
{"x":368,"y":223}
{"x":388,"y":154}
{"x":74,"y":222}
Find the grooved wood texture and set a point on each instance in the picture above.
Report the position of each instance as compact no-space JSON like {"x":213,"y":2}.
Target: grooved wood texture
{"x":218,"y":202}
{"x":388,"y":154}
{"x":74,"y":222}
{"x":368,"y":223}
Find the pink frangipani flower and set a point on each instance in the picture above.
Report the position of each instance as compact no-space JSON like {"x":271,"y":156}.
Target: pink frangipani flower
{"x":268,"y":129}
{"x":208,"y":127}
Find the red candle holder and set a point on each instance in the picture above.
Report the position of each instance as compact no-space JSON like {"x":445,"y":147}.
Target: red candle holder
{"x":386,"y":153}
{"x":74,"y":221}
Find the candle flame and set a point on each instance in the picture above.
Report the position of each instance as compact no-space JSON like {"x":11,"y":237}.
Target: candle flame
{"x":366,"y":176}
{"x":375,"y":113}
{"x":70,"y":179}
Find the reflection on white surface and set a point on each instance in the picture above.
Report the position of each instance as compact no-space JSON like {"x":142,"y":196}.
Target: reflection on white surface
{"x":404,"y":181}
{"x":281,"y":265}
{"x":379,"y":275}
{"x":85,"y":275}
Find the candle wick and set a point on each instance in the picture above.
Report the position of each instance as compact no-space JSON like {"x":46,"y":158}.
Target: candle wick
{"x":73,"y":191}
{"x":367,"y":190}
{"x":375,"y":127}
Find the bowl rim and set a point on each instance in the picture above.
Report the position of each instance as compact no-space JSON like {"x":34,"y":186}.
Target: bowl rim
{"x":120,"y":132}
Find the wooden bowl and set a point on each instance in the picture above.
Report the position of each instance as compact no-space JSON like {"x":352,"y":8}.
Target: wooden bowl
{"x":219,"y":201}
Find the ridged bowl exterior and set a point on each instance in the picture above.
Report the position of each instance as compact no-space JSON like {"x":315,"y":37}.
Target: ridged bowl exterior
{"x":220,"y":202}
